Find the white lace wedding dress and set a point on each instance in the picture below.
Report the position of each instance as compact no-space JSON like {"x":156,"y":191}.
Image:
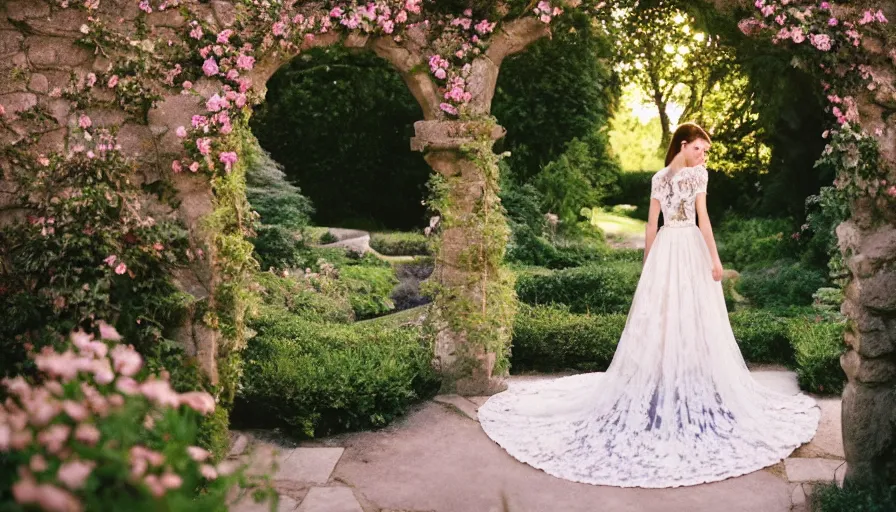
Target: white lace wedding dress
{"x":677,"y":405}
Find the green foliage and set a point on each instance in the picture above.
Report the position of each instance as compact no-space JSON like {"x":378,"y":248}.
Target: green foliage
{"x":854,"y":498}
{"x":745,"y":243}
{"x":278,"y":247}
{"x":817,"y":346}
{"x":635,"y":142}
{"x":782,"y":284}
{"x":548,"y":338}
{"x":340,"y":121}
{"x":277,"y":201}
{"x":574,"y":180}
{"x":317,"y":379}
{"x":551,"y":338}
{"x":298,"y":296}
{"x":607,"y":288}
{"x":87,"y":251}
{"x":328,"y":238}
{"x":369,"y":289}
{"x":761,"y":336}
{"x":634,"y":189}
{"x":400,"y":244}
{"x":558,"y":90}
{"x":481,"y":307}
{"x":116,"y":434}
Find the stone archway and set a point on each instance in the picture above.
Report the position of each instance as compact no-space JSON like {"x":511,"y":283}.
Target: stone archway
{"x":48,"y":87}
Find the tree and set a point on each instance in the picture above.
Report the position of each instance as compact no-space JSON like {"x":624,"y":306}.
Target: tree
{"x":658,"y":50}
{"x":558,"y":90}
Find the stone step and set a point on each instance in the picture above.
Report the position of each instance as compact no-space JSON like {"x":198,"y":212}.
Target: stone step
{"x":330,"y":499}
{"x":800,"y":470}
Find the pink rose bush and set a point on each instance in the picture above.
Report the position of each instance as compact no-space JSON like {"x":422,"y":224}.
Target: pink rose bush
{"x":832,"y":42}
{"x":98,"y":432}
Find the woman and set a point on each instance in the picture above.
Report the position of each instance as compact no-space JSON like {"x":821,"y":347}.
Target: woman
{"x":677,"y":405}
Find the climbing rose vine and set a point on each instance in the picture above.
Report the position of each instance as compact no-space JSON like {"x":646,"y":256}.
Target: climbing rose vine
{"x":832,"y":43}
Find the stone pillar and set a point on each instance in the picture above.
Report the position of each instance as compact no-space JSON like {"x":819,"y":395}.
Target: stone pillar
{"x":868,"y":242}
{"x":39,"y":57}
{"x":869,"y":400}
{"x":467,"y":368}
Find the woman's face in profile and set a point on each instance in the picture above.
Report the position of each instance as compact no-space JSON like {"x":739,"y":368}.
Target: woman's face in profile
{"x":695,"y":152}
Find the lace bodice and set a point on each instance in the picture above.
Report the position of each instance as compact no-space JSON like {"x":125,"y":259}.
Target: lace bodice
{"x":678,"y":194}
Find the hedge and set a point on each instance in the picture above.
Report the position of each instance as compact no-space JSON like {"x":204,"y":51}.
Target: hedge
{"x":551,"y":338}
{"x":400,"y":244}
{"x":607,"y":288}
{"x":316,"y":379}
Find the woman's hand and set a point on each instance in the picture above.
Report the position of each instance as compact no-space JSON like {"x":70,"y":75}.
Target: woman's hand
{"x":717,"y":270}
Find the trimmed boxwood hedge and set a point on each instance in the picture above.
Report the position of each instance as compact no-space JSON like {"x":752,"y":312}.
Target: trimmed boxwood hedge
{"x":551,"y":338}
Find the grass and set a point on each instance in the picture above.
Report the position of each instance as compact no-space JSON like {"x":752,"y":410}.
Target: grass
{"x":619,"y":225}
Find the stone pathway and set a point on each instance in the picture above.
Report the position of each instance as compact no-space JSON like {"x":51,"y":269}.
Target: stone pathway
{"x":437,"y":459}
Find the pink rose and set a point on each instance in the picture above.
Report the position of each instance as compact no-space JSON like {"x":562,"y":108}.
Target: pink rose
{"x":199,"y":401}
{"x":210,"y":67}
{"x":187,"y":85}
{"x":126,"y":360}
{"x":74,"y":474}
{"x":224,"y":36}
{"x":245,"y":62}
{"x":113,"y":81}
{"x":84,"y":122}
{"x":75,"y":410}
{"x":121,"y":269}
{"x":87,"y":433}
{"x":181,"y":132}
{"x":208,"y":472}
{"x":198,"y":454}
{"x":54,"y":437}
{"x":176,"y":167}
{"x":204,"y":145}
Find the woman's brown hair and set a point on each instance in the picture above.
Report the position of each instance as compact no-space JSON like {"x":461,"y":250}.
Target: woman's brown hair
{"x":686,"y":132}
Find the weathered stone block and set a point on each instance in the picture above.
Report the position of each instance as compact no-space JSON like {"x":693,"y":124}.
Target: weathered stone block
{"x":869,"y":439}
{"x":39,"y":83}
{"x":136,"y":139}
{"x":52,"y":142}
{"x":66,"y":22}
{"x":106,"y":118}
{"x":869,"y":371}
{"x":872,"y":344}
{"x":18,"y":101}
{"x":166,"y":18}
{"x":877,"y":292}
{"x":10,"y":42}
{"x":21,"y":10}
{"x":224,"y":13}
{"x":48,"y":52}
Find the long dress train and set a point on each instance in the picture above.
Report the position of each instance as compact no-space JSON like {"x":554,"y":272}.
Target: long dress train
{"x":677,"y":405}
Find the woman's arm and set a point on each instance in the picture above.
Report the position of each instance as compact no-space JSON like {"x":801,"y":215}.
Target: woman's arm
{"x":706,"y":229}
{"x":653,"y":217}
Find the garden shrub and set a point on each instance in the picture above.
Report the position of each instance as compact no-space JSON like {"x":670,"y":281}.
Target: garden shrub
{"x":607,"y":288}
{"x":318,"y":379}
{"x":108,"y":435}
{"x":369,"y":289}
{"x":854,"y":498}
{"x":298,"y":296}
{"x":400,"y":244}
{"x":278,"y":247}
{"x":780,"y":285}
{"x":747,"y":243}
{"x":550,"y":338}
{"x":761,"y":336}
{"x":817,"y":346}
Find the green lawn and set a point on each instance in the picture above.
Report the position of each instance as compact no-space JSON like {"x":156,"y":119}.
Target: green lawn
{"x":618,"y":225}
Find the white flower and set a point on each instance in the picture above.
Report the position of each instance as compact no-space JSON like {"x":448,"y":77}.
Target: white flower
{"x":85,"y":29}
